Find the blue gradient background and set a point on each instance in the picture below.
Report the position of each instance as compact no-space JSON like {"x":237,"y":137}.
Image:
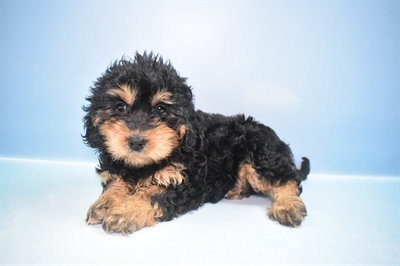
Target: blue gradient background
{"x":324,"y":75}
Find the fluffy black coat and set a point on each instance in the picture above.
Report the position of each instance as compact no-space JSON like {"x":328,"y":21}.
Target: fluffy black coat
{"x":212,"y":149}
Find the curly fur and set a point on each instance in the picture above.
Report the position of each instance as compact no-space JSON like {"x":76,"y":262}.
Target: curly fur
{"x":160,"y":158}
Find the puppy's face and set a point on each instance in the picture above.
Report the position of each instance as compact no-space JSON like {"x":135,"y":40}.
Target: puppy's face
{"x":138,"y":115}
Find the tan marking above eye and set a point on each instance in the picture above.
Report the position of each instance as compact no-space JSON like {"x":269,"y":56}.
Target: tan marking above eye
{"x":162,"y":96}
{"x":125,"y":92}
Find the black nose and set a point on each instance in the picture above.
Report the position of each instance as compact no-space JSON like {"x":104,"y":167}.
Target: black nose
{"x":137,"y":143}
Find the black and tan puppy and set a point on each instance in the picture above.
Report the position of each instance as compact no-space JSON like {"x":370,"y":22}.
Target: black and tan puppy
{"x":160,"y":158}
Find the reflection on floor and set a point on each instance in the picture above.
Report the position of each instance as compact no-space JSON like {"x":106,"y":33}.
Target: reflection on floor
{"x":351,"y":220}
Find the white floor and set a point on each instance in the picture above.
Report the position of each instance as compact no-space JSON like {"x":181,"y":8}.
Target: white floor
{"x":351,"y":221}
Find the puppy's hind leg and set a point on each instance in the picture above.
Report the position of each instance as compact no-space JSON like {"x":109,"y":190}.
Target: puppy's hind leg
{"x":287,"y":207}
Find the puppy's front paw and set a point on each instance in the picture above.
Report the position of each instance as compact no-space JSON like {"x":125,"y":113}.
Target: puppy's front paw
{"x":116,"y":192}
{"x":132,"y":214}
{"x":97,"y":212}
{"x":120,"y":223}
{"x":289,"y":211}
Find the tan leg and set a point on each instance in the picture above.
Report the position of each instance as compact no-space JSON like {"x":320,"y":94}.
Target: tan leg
{"x":248,"y":180}
{"x":116,"y":192}
{"x":287,"y":207}
{"x":134,"y":212}
{"x":127,"y":208}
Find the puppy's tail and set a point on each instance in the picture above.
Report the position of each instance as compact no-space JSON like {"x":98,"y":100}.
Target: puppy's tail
{"x":304,"y":169}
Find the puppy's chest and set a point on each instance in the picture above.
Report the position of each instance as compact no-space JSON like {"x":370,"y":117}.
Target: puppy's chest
{"x":134,"y":176}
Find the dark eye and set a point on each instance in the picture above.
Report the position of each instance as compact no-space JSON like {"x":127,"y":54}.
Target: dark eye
{"x":161,"y":109}
{"x":121,"y":107}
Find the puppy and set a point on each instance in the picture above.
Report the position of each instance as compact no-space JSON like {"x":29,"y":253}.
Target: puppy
{"x":160,"y":158}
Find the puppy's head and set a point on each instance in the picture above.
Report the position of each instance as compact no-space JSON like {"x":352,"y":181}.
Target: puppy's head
{"x":138,"y":111}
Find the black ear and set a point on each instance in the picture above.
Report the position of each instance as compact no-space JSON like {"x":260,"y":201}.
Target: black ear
{"x":192,"y":139}
{"x":184,"y":96}
{"x":91,"y":137}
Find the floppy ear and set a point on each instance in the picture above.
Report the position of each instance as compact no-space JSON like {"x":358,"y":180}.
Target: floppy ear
{"x":189,"y":139}
{"x":92,"y":137}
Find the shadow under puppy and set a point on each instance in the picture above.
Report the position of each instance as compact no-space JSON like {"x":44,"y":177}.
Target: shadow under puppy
{"x":160,"y":158}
